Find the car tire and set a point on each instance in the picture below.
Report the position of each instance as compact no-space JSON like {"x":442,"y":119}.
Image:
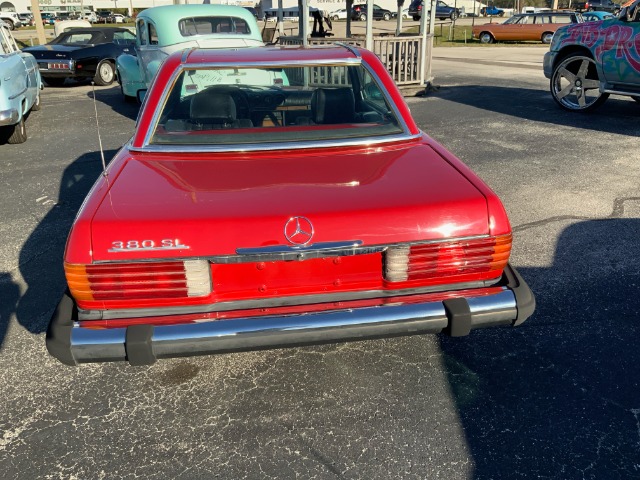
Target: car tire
{"x":334,"y":18}
{"x":501,"y":14}
{"x":105,"y":74}
{"x":453,"y":16}
{"x":37,"y":105}
{"x":386,"y":16}
{"x":416,"y":18}
{"x":363,"y":17}
{"x":10,"y":23}
{"x":570,"y":76}
{"x":546,"y":37}
{"x":19,"y":133}
{"x":486,"y":38}
{"x":54,"y":81}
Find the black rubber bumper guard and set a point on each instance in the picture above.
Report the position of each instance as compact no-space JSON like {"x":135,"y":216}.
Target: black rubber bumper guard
{"x":138,"y":344}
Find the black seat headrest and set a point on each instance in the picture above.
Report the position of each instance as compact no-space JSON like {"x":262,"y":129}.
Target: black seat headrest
{"x":213,"y":107}
{"x":333,"y":105}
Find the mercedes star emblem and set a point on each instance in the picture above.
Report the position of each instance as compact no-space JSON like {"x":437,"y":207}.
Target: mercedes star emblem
{"x":298,"y":230}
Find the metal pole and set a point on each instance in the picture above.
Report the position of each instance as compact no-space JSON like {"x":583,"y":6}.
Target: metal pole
{"x":303,"y":13}
{"x":280,"y":20}
{"x":369,"y":37}
{"x":35,"y":9}
{"x":399,"y":18}
{"x":349,"y":11}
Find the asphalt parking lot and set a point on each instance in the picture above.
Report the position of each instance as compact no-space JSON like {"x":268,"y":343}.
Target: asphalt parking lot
{"x":558,"y":397}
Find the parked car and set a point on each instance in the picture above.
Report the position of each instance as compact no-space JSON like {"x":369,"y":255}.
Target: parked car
{"x":525,"y":27}
{"x":26,"y":19}
{"x":20,"y":87}
{"x":273,"y":197}
{"x":588,"y":62}
{"x":118,"y":18}
{"x":359,"y":12}
{"x":104,"y":16}
{"x":597,"y":6}
{"x":340,"y":14}
{"x":11,"y":19}
{"x":48,"y":18}
{"x":83,"y":53}
{"x":492,"y":11}
{"x":90,"y":17}
{"x":167,"y":29}
{"x":443,"y":11}
{"x":596,"y":16}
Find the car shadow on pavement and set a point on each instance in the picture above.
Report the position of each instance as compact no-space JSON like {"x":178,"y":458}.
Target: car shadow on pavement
{"x":41,"y":255}
{"x":559,"y":396}
{"x":113,"y":98}
{"x":9,"y":295}
{"x":617,"y":115}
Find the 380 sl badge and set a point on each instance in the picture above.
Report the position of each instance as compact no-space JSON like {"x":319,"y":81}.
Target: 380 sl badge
{"x":137,"y":245}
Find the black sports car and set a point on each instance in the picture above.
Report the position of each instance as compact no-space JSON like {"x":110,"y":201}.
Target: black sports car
{"x":82,"y":53}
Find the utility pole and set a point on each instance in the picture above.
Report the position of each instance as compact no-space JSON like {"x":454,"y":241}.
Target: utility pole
{"x":35,"y":10}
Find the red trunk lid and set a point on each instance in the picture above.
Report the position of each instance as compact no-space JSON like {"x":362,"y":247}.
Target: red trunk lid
{"x":199,"y":207}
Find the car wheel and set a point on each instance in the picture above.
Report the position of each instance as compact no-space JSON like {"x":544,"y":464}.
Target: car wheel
{"x":546,"y":37}
{"x":105,"y":74}
{"x":363,"y":17}
{"x":10,"y":23}
{"x":501,"y":14}
{"x":453,"y":16}
{"x":486,"y":37}
{"x":19,"y":134}
{"x":575,"y":85}
{"x":334,"y":18}
{"x":54,"y":81}
{"x":416,"y":17}
{"x":36,"y":105}
{"x":386,"y":16}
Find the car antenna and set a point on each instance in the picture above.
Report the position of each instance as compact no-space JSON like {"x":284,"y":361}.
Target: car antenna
{"x":95,"y":106}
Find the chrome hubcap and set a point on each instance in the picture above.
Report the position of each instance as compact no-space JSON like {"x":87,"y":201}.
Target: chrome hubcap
{"x":575,"y":84}
{"x":106,"y":72}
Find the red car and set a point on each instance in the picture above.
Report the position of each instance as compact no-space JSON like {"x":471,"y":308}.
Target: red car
{"x":273,"y":197}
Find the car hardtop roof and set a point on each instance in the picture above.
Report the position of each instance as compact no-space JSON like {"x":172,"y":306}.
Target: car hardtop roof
{"x":167,"y":17}
{"x":281,"y":54}
{"x":174,"y":13}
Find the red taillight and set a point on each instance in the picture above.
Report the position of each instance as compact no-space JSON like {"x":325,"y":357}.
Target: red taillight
{"x":447,"y":259}
{"x":129,"y":281}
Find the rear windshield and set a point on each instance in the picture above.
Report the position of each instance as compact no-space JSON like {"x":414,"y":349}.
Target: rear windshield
{"x":235,"y":106}
{"x":207,"y":25}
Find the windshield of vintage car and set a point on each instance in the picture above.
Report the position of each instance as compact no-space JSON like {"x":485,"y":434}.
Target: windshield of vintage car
{"x":232,"y":106}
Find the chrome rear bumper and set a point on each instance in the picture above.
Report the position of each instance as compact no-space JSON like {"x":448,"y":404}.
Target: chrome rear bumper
{"x":9,"y":117}
{"x":143,"y":344}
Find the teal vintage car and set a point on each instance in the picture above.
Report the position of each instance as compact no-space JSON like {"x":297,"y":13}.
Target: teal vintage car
{"x":161,"y":31}
{"x":20,"y":86}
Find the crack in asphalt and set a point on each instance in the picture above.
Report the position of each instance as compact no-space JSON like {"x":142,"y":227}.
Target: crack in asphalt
{"x":617,"y":212}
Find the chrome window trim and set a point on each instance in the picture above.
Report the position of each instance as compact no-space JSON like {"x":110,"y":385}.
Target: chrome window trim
{"x":148,"y":147}
{"x":288,"y":301}
{"x":309,"y":251}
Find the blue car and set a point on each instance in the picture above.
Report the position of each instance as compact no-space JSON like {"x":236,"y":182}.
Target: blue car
{"x":443,"y":11}
{"x":20,"y":87}
{"x":596,"y":16}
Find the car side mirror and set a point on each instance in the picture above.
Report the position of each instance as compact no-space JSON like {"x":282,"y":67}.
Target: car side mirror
{"x":141,"y":94}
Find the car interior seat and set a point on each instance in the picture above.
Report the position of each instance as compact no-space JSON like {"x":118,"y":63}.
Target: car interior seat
{"x":215,"y":110}
{"x":333,"y":105}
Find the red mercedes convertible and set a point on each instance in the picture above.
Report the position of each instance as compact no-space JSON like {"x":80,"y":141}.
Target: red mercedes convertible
{"x":273,"y":197}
